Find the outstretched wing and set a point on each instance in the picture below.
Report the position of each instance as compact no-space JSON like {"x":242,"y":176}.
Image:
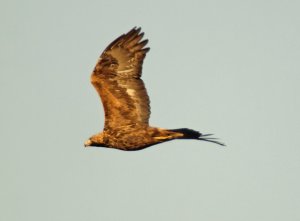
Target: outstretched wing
{"x":116,"y":78}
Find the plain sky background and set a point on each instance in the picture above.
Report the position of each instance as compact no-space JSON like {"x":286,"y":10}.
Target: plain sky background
{"x":231,"y":68}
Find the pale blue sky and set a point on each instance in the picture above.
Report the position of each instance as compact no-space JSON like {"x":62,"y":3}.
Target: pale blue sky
{"x":225,"y":67}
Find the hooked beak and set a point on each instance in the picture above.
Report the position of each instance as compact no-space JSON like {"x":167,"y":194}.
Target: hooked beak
{"x":87,"y":143}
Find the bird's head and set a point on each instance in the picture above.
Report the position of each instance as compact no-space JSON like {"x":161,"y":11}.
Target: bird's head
{"x":95,"y":140}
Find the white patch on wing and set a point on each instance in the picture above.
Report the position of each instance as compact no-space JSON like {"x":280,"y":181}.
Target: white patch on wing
{"x":131,"y":92}
{"x":125,"y":71}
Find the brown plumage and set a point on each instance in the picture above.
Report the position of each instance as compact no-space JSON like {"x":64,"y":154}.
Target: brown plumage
{"x":116,"y":78}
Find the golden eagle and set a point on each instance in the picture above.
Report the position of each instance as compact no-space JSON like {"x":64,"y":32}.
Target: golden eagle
{"x":117,"y":79}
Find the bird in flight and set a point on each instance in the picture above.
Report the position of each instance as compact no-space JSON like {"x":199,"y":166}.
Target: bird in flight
{"x":117,"y":79}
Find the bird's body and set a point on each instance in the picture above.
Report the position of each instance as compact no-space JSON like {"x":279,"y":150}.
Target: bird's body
{"x":116,"y":78}
{"x":132,"y":138}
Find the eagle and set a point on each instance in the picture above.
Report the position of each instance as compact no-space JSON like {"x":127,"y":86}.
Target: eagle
{"x":117,"y":79}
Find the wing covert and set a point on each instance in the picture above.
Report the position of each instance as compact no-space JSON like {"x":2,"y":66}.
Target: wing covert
{"x":116,"y":78}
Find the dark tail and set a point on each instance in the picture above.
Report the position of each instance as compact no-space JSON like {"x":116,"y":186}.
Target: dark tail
{"x":192,"y":134}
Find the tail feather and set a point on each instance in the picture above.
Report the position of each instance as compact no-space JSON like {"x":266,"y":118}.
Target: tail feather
{"x":187,"y":133}
{"x":192,"y":134}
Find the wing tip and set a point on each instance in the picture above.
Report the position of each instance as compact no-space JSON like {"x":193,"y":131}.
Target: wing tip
{"x":130,"y":39}
{"x":125,"y":37}
{"x":145,"y":50}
